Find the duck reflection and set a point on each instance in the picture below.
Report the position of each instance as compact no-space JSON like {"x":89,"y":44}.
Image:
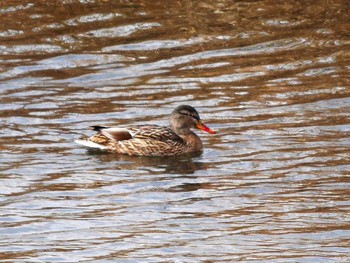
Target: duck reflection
{"x":186,"y":164}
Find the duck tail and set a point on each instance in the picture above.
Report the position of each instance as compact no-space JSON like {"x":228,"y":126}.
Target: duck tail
{"x":90,"y":144}
{"x":98,"y":128}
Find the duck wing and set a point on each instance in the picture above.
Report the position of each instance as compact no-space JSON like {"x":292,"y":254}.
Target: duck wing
{"x":144,"y":132}
{"x":113,"y":133}
{"x":139,"y":140}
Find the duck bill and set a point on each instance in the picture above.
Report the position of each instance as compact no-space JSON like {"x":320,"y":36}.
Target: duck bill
{"x":203,"y":127}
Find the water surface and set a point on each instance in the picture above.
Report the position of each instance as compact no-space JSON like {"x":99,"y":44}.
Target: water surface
{"x":271,"y":77}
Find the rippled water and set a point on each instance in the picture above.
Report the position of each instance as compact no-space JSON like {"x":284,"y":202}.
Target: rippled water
{"x":271,"y":77}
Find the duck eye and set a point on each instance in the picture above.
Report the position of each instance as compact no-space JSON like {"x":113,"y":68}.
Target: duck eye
{"x":185,"y":113}
{"x":192,"y":116}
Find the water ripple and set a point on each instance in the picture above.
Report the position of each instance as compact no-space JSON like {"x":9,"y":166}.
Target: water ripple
{"x":270,"y":186}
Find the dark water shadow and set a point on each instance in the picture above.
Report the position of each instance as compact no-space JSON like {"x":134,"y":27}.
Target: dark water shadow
{"x":186,"y":164}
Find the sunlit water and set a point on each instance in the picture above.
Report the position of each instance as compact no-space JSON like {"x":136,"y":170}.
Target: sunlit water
{"x":271,"y":77}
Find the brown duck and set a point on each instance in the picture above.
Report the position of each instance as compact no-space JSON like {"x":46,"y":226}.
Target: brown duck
{"x":152,"y":140}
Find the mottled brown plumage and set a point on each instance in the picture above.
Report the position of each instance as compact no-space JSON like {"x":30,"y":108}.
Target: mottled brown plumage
{"x":152,"y":140}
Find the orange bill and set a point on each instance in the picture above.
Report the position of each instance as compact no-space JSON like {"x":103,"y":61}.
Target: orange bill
{"x":203,"y":127}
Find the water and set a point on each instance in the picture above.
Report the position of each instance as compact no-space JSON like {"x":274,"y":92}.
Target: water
{"x":272,"y":78}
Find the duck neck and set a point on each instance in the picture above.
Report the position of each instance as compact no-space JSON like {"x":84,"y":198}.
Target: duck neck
{"x":193,"y":141}
{"x":180,"y":129}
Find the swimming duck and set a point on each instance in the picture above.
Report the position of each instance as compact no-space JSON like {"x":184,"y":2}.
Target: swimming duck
{"x":152,"y":140}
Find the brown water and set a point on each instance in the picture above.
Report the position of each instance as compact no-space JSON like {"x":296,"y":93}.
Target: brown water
{"x":271,"y":77}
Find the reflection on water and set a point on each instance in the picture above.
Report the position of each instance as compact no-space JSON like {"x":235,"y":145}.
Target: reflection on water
{"x":186,"y":164}
{"x":271,"y":77}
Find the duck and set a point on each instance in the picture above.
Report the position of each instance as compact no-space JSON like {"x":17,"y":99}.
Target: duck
{"x":152,"y":140}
